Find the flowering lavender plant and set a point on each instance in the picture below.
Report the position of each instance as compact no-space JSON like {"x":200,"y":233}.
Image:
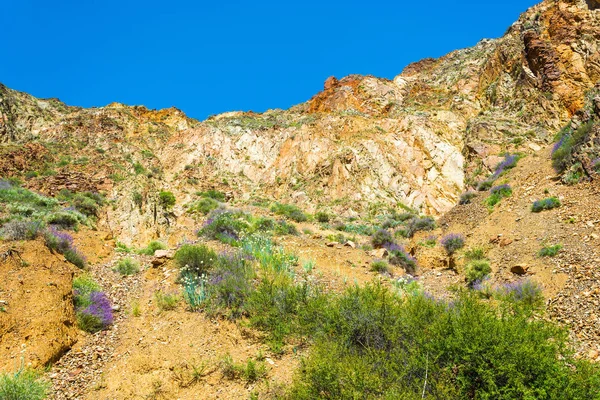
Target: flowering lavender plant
{"x":525,"y":292}
{"x":4,"y":184}
{"x":95,"y":311}
{"x":453,"y":242}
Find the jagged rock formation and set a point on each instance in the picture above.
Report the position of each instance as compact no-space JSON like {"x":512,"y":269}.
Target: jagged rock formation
{"x":418,"y":139}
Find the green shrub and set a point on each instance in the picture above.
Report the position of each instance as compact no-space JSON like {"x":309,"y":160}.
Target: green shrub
{"x":65,"y":219}
{"x":466,"y":197}
{"x":380,"y":266}
{"x":370,"y":343}
{"x":204,"y":206}
{"x":227,"y":226}
{"x":285,"y":228}
{"x":545,"y":204}
{"x":230,"y":285}
{"x":417,"y":224}
{"x":197,"y":260}
{"x":24,"y":384}
{"x":127,"y":266}
{"x":152,"y":247}
{"x":568,"y":142}
{"x":550,"y":251}
{"x":166,"y":199}
{"x":452,"y":243}
{"x":137,"y":199}
{"x":289,"y":211}
{"x":475,"y":253}
{"x":212,"y":194}
{"x":138,"y":168}
{"x":381,"y":238}
{"x":477,"y":270}
{"x":75,"y":257}
{"x":322,"y":217}
{"x":166,"y":301}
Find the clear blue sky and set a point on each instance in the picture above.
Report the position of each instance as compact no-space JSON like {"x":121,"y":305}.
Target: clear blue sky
{"x":210,"y":57}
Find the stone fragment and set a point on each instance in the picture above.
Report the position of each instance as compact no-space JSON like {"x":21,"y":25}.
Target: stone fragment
{"x":519,"y":269}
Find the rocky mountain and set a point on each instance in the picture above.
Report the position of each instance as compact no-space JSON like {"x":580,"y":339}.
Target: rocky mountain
{"x":418,"y":139}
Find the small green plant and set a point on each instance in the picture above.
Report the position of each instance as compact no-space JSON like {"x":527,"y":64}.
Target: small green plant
{"x":152,"y":247}
{"x":138,"y":168}
{"x":380,"y":266}
{"x":25,"y":384}
{"x":322,"y":217}
{"x":381,"y":238}
{"x":137,"y":199}
{"x":127,"y":266}
{"x":136,"y":309}
{"x":550,"y":251}
{"x":166,"y":199}
{"x":289,"y":211}
{"x":122,"y":248}
{"x":166,"y":301}
{"x":545,"y":204}
{"x":475,"y":253}
{"x":477,"y":270}
{"x":198,"y":260}
{"x":497,"y":193}
{"x":212,"y":194}
{"x":205,"y":205}
{"x":452,"y":243}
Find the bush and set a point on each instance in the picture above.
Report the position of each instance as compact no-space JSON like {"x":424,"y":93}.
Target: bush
{"x":380,"y":266}
{"x":381,"y":238}
{"x":399,"y":256}
{"x":226,"y":226}
{"x":204,"y":206}
{"x":485,"y":185}
{"x":65,"y":219}
{"x":166,"y":199}
{"x":524,"y":293}
{"x":466,"y":197}
{"x":21,"y":230}
{"x":322,"y":217}
{"x":475,"y":253}
{"x":477,"y":270}
{"x":372,"y":344}
{"x":417,"y":224}
{"x":75,"y":257}
{"x":569,"y":141}
{"x":95,"y":314}
{"x":127,"y":266}
{"x":166,"y":301}
{"x":212,"y":194}
{"x":62,"y":242}
{"x":195,"y":260}
{"x":289,"y":211}
{"x":152,"y":247}
{"x":87,"y":203}
{"x":285,"y":228}
{"x":24,"y":384}
{"x":452,"y":243}
{"x":230,"y":285}
{"x":545,"y":204}
{"x":550,"y":251}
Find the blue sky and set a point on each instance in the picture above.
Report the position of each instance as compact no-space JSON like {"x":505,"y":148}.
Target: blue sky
{"x":210,"y":57}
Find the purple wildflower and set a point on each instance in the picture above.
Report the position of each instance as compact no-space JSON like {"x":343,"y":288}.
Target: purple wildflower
{"x":501,"y":189}
{"x":559,"y":144}
{"x":100,"y":307}
{"x":453,"y":242}
{"x":5,"y":184}
{"x":526,"y":291}
{"x":509,"y":162}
